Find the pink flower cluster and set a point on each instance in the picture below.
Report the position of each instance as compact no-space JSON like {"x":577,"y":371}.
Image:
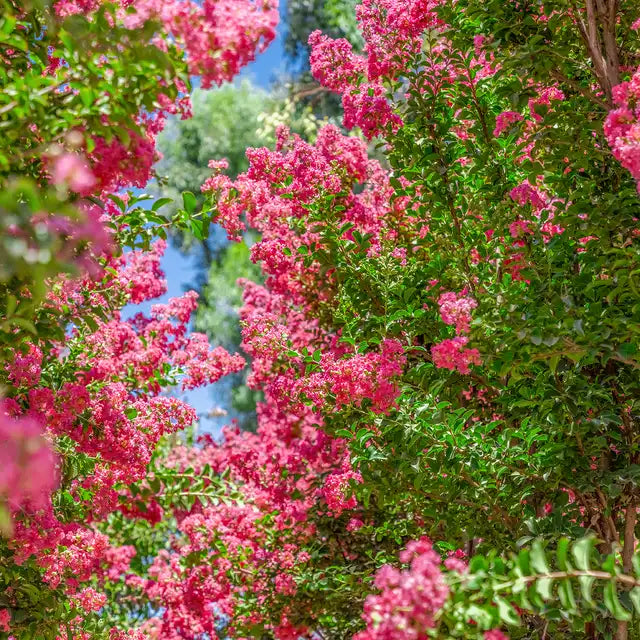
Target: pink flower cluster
{"x":72,"y":170}
{"x":280,"y":470}
{"x":456,"y":310}
{"x":91,"y":600}
{"x":543,"y":207}
{"x":350,"y":380}
{"x":622,"y":126}
{"x":452,"y":354}
{"x":340,"y":379}
{"x":495,"y":634}
{"x":504,"y":120}
{"x":25,"y":370}
{"x":143,"y":346}
{"x":5,"y":619}
{"x":392,"y":30}
{"x":115,"y":165}
{"x":280,"y":184}
{"x":108,"y":406}
{"x":337,"y":491}
{"x":141,"y":276}
{"x":333,"y":62}
{"x":105,"y":407}
{"x":366,"y":106}
{"x":543,"y":99}
{"x":409,"y":601}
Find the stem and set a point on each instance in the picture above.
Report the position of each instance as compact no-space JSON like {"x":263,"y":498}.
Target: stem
{"x":629,"y":536}
{"x":622,"y":632}
{"x":626,"y":580}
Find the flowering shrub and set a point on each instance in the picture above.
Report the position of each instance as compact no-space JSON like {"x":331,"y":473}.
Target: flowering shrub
{"x":495,"y":255}
{"x":446,"y":343}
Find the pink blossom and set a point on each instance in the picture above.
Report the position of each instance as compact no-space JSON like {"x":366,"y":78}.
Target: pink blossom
{"x":218,"y":37}
{"x":400,"y":253}
{"x":525,"y":193}
{"x":366,"y":106}
{"x":25,"y":369}
{"x":544,"y":97}
{"x":27,"y":464}
{"x":204,"y":365}
{"x":622,"y":126}
{"x":337,"y":491}
{"x":218,"y":165}
{"x":5,"y":619}
{"x":285,"y":584}
{"x":354,"y":524}
{"x":90,"y":600}
{"x":408,"y":600}
{"x":142,"y":277}
{"x":452,"y":354}
{"x":130,"y":634}
{"x":116,"y":164}
{"x":333,"y":63}
{"x":504,"y":120}
{"x":520,"y":228}
{"x":392,"y":30}
{"x":72,"y":171}
{"x":456,"y":310}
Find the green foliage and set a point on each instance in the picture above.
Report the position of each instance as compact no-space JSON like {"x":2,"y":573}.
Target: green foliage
{"x":113,"y":76}
{"x":217,"y":316}
{"x":101,"y":56}
{"x":34,"y":604}
{"x":224,"y":125}
{"x":569,"y":584}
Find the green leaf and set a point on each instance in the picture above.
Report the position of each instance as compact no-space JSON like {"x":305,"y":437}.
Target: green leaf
{"x":543,"y":587}
{"x":613,"y":604}
{"x":190,"y":202}
{"x":562,"y":553}
{"x":27,"y":325}
{"x":87,"y":96}
{"x":160,"y":202}
{"x":565,"y":593}
{"x":538,"y":557}
{"x":507,"y":613}
{"x":586,"y":585}
{"x":582,"y":551}
{"x":634,"y":596}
